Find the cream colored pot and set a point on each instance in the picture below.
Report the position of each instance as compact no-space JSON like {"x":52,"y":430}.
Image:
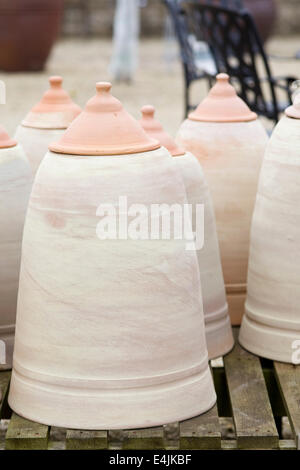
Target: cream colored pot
{"x":15,"y":183}
{"x":36,"y":142}
{"x":110,"y":332}
{"x":271,"y":325}
{"x":219,"y":336}
{"x":46,"y":122}
{"x":229,"y":142}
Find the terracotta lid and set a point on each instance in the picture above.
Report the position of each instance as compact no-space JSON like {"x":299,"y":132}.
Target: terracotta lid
{"x":5,"y":140}
{"x":294,"y":110}
{"x":56,"y":110}
{"x":104,"y":128}
{"x":222,"y":104}
{"x":155,"y":129}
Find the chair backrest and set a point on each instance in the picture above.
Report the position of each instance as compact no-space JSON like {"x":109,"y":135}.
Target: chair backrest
{"x":182,"y":34}
{"x":236,"y":48}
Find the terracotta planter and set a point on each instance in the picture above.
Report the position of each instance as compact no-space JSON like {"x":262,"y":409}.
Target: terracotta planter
{"x":15,"y":183}
{"x":229,"y":142}
{"x":28,"y":29}
{"x":46,"y":122}
{"x":264,"y":13}
{"x":118,"y":338}
{"x":217,"y":323}
{"x":271,"y":325}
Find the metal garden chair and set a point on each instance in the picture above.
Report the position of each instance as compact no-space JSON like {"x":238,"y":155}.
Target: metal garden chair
{"x":236,"y":49}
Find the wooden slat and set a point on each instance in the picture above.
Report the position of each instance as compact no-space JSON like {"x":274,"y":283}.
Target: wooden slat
{"x":23,"y":434}
{"x":288,"y":378}
{"x":201,"y":432}
{"x":144,"y":439}
{"x":86,"y":440}
{"x":4,"y":384}
{"x":287,"y":444}
{"x":252,"y":414}
{"x":229,"y":444}
{"x":171,"y":435}
{"x":116,"y":439}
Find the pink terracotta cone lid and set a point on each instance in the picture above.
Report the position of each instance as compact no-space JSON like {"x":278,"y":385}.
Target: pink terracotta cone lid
{"x":222,"y":104}
{"x":56,"y":110}
{"x":104,"y":128}
{"x":155,"y":129}
{"x":5,"y":140}
{"x":294,"y":110}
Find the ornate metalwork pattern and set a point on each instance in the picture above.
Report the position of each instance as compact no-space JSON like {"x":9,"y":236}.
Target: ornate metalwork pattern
{"x":230,"y":32}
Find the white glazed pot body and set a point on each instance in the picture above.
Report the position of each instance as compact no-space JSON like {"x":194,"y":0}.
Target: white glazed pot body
{"x":271,"y":325}
{"x":219,"y":336}
{"x":15,"y":184}
{"x":231,"y":155}
{"x":110,"y":333}
{"x":35,"y":143}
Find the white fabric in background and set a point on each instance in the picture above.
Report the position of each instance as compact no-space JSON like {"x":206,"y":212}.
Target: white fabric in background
{"x":125,"y":38}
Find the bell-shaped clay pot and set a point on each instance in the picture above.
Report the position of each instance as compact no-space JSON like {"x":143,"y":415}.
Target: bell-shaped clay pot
{"x":219,"y":336}
{"x":271,"y":324}
{"x":15,"y":184}
{"x":46,"y":122}
{"x":110,"y":332}
{"x":229,"y":142}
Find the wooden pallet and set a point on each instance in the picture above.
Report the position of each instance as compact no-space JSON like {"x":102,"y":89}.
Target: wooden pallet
{"x":253,"y":395}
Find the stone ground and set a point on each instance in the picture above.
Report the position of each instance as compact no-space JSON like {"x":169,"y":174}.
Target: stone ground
{"x":82,"y":62}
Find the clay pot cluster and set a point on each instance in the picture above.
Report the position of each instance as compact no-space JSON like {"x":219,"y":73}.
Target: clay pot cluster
{"x":117,"y":332}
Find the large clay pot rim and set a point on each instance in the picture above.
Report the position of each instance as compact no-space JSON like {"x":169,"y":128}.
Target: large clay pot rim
{"x":222,"y":104}
{"x":104,"y":128}
{"x":5,"y":140}
{"x":55,"y":110}
{"x":97,"y":152}
{"x":241,"y":287}
{"x":154,"y":129}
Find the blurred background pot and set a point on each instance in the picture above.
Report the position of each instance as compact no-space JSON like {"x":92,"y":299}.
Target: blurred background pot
{"x":118,"y":338}
{"x":28,"y":29}
{"x":271,"y":324}
{"x":264,"y":13}
{"x":46,"y":122}
{"x":15,"y":184}
{"x":229,"y":142}
{"x":217,"y":323}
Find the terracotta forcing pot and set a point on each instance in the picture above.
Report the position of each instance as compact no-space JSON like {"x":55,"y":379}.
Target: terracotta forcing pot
{"x":264,"y":13}
{"x":110,"y":332}
{"x":229,"y":142}
{"x":46,"y":122}
{"x":271,"y":325}
{"x":15,"y":183}
{"x":217,"y":323}
{"x":28,"y":29}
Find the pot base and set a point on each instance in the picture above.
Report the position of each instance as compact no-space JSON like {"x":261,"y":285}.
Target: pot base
{"x":7,"y":336}
{"x":219,"y":337}
{"x":269,"y":341}
{"x":128,"y":408}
